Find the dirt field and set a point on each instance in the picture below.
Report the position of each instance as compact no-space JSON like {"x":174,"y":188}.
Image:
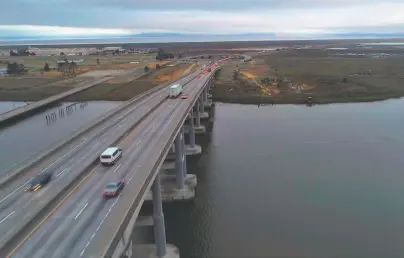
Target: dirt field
{"x":36,"y":86}
{"x":114,"y":91}
{"x":293,"y":76}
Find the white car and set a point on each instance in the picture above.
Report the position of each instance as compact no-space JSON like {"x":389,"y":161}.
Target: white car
{"x":110,"y":156}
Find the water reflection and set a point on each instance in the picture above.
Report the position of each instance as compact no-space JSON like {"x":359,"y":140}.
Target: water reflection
{"x":292,"y":181}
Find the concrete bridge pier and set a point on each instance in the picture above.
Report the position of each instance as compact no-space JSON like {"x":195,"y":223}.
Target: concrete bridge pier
{"x":158,"y":219}
{"x":161,"y":249}
{"x":207,"y":103}
{"x":198,"y":128}
{"x":201,"y":107}
{"x":180,"y":185}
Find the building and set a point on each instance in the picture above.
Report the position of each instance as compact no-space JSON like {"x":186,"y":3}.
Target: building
{"x":3,"y":71}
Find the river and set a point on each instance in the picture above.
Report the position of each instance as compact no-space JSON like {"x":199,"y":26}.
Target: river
{"x":295,"y":181}
{"x":29,"y":137}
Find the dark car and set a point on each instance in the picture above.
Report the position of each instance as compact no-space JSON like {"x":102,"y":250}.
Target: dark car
{"x":39,"y":181}
{"x":113,"y":189}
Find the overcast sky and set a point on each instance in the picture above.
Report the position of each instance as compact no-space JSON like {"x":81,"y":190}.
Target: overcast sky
{"x":204,"y":16}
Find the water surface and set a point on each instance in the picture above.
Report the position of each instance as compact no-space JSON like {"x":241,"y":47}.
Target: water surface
{"x":6,"y":106}
{"x":35,"y":134}
{"x":293,"y":181}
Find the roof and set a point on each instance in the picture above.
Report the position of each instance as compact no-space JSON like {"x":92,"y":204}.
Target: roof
{"x":109,"y":151}
{"x":175,"y":86}
{"x":37,"y":179}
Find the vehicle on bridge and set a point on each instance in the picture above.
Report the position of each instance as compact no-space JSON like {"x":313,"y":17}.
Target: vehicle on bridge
{"x":113,"y":189}
{"x":39,"y":181}
{"x":175,"y":90}
{"x":110,"y":156}
{"x":184,"y":96}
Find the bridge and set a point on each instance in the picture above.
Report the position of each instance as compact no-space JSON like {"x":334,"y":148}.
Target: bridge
{"x":69,"y":217}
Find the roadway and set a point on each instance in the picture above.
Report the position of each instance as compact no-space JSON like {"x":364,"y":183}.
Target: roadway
{"x":69,"y":228}
{"x":18,"y":208}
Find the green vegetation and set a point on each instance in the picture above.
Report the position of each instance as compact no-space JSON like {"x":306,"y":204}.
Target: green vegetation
{"x":321,"y":74}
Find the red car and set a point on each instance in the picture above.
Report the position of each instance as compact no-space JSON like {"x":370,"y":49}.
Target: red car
{"x":113,"y":189}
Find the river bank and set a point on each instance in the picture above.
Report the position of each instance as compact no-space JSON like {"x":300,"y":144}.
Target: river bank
{"x":291,"y":77}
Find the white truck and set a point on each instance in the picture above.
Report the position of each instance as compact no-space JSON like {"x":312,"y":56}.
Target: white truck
{"x":175,"y":90}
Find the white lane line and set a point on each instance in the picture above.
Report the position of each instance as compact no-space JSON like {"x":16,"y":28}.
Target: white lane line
{"x":78,"y":214}
{"x":95,"y":144}
{"x":15,"y":191}
{"x":60,"y":173}
{"x":117,"y":168}
{"x":98,"y":228}
{"x":1,"y":221}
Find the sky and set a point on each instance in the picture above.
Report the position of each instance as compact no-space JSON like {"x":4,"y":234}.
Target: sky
{"x":64,"y":18}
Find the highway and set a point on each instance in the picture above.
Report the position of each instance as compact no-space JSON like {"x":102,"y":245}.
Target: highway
{"x":18,"y":208}
{"x":69,"y":228}
{"x":142,"y":174}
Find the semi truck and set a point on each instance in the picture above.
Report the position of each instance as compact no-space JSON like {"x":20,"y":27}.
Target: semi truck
{"x":175,"y":90}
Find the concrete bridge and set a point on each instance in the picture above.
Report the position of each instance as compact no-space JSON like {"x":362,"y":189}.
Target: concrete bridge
{"x":69,"y":217}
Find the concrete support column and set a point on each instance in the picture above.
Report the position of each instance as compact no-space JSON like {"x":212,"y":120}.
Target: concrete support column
{"x":205,"y":95}
{"x":184,"y":163}
{"x":158,"y":219}
{"x":192,"y":131}
{"x":179,"y":161}
{"x":198,"y":114}
{"x":201,"y":104}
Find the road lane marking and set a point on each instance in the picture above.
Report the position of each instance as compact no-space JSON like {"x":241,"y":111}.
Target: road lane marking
{"x":78,"y":214}
{"x":98,"y":228}
{"x":126,"y":137}
{"x":117,"y":168}
{"x":15,"y":191}
{"x":64,"y":170}
{"x":50,"y":213}
{"x":95,"y":144}
{"x":1,"y":221}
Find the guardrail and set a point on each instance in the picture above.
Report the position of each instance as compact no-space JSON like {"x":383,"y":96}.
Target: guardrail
{"x":84,"y":130}
{"x":36,"y":215}
{"x":117,"y":235}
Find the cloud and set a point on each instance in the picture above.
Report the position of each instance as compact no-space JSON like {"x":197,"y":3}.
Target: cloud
{"x":205,"y":16}
{"x":224,"y":5}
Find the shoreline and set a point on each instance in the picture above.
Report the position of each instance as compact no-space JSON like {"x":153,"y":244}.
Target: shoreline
{"x":251,"y":100}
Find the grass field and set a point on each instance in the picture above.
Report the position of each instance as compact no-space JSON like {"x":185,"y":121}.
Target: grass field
{"x":36,"y":63}
{"x":35,"y":86}
{"x":293,"y":75}
{"x":128,"y":89}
